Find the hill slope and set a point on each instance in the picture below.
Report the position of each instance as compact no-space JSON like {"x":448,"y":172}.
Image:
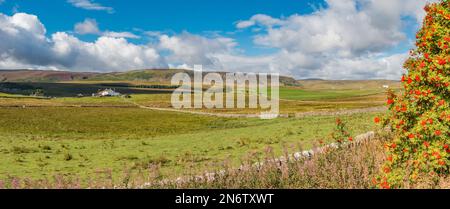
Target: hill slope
{"x":42,"y":76}
{"x":153,"y":75}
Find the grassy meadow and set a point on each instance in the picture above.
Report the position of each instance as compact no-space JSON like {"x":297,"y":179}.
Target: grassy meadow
{"x":42,"y":142}
{"x":42,"y":137}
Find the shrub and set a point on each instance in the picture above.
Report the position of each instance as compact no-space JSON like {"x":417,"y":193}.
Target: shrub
{"x":340,"y":133}
{"x":420,"y":116}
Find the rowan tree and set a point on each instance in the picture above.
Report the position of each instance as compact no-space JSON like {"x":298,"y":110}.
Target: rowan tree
{"x":419,"y":116}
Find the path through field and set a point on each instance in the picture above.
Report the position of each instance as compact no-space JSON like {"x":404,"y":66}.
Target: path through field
{"x":296,"y":115}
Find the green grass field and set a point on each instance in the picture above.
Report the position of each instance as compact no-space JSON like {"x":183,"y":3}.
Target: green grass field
{"x":42,"y":142}
{"x":293,"y":100}
{"x":314,"y":95}
{"x":77,"y":137}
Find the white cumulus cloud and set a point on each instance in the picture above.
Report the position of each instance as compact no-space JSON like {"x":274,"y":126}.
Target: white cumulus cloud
{"x":261,"y":19}
{"x":90,"y":5}
{"x":121,"y":35}
{"x":344,"y":39}
{"x":24,"y":44}
{"x":88,"y":26}
{"x":193,"y":49}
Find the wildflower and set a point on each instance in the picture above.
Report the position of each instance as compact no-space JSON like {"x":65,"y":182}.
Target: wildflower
{"x":377,"y":120}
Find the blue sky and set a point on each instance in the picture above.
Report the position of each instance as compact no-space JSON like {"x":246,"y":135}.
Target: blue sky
{"x":342,"y":39}
{"x":172,"y":16}
{"x":178,"y":15}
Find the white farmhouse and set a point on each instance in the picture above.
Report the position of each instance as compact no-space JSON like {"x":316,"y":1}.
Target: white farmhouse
{"x":108,"y":93}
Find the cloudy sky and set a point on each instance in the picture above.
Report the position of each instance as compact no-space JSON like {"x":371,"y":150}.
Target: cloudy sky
{"x":329,"y":39}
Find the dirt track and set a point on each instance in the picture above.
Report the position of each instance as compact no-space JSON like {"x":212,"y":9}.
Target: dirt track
{"x":225,"y":115}
{"x":296,"y":115}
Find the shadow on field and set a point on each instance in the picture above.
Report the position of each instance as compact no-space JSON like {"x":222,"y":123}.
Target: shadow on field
{"x":86,"y":89}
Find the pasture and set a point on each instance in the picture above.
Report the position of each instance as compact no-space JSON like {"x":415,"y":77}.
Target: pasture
{"x":42,"y":142}
{"x":78,"y":137}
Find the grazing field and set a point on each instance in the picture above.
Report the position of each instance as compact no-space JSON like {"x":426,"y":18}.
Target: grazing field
{"x":42,"y":142}
{"x":292,"y":99}
{"x":352,"y":167}
{"x":314,"y":95}
{"x":78,"y":137}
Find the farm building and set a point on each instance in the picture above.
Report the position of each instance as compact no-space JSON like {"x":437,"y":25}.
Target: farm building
{"x":108,"y":93}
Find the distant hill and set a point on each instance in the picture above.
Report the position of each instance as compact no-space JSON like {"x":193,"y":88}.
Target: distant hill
{"x":348,"y":84}
{"x":42,"y":76}
{"x":163,"y":76}
{"x":154,"y":75}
